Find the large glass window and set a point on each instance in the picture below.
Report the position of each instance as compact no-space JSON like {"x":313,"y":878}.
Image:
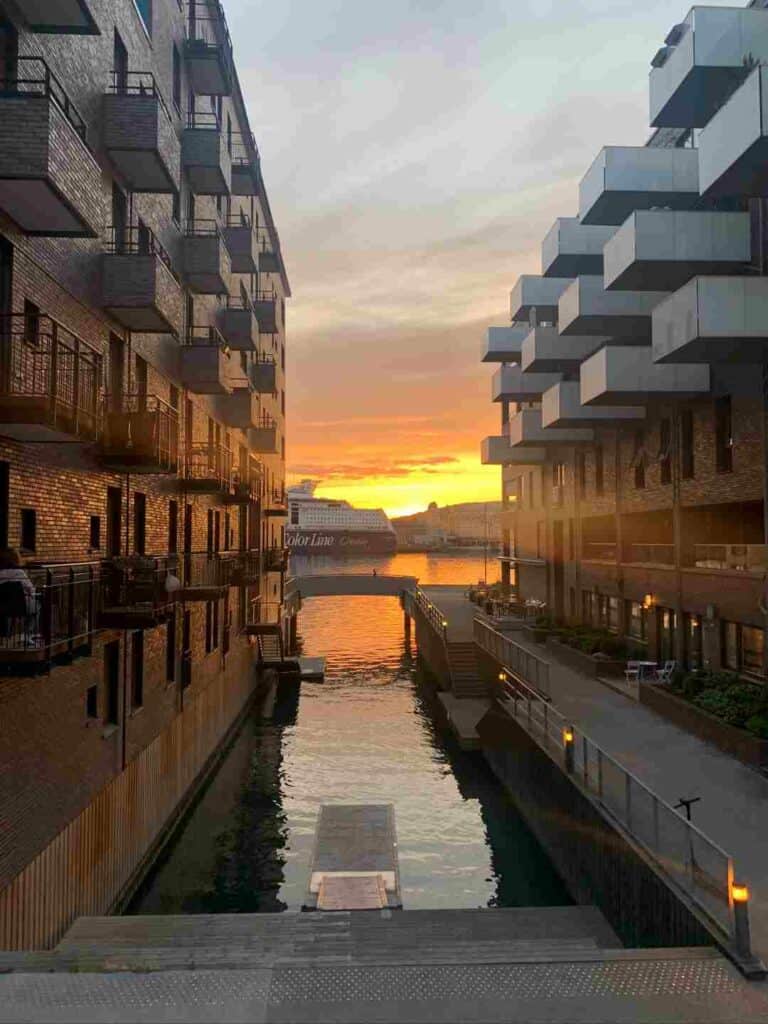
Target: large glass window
{"x":667,"y":620}
{"x":692,"y":626}
{"x":144,"y":7}
{"x":612,"y":614}
{"x":743,"y":648}
{"x":637,"y":621}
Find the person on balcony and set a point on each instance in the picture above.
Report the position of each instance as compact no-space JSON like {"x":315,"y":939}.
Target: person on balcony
{"x":18,"y":598}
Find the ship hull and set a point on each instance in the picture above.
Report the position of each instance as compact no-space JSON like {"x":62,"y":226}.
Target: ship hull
{"x":339,"y":542}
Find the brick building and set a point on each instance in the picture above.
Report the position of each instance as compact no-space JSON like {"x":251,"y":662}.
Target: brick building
{"x":632,"y":382}
{"x":142,"y":435}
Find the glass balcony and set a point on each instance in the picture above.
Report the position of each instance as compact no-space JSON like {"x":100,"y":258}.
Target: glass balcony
{"x":263,"y":438}
{"x":623,"y":179}
{"x":511,"y":384}
{"x":246,"y":172}
{"x":732,"y":557}
{"x":546,"y":352}
{"x":586,"y":308}
{"x":504,"y":344}
{"x":262,"y":374}
{"x":50,"y":183}
{"x":526,"y":431}
{"x":65,"y":17}
{"x":572,"y":248}
{"x":238,"y":324}
{"x":205,"y":155}
{"x":241,"y":243}
{"x":561,"y":407}
{"x":206,"y":365}
{"x":141,"y":435}
{"x":135,"y":592}
{"x":139,"y":287}
{"x":733,"y":148}
{"x":495,"y":451}
{"x":208,"y":469}
{"x":207,"y":264}
{"x":50,"y":381}
{"x":541,"y":294}
{"x":629,"y":376}
{"x":241,"y":409}
{"x":265,"y":308}
{"x":139,"y":134}
{"x":208,"y":49}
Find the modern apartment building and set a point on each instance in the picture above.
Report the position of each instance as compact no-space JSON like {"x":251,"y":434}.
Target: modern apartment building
{"x":632,"y":384}
{"x":142,"y":436}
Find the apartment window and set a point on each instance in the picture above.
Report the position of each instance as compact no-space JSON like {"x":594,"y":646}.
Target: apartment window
{"x":173,"y":397}
{"x":227,"y":531}
{"x":665,"y":451}
{"x":28,"y":541}
{"x":31,"y":322}
{"x":94,"y":533}
{"x":638,"y":459}
{"x":137,"y":669}
{"x":112,"y":682}
{"x":723,"y":435}
{"x":229,"y":135}
{"x":692,"y":635}
{"x":572,"y":602}
{"x":173,"y":527}
{"x":170,"y":648}
{"x":599,"y":470}
{"x":142,"y":375}
{"x":588,"y":607}
{"x":667,"y":625}
{"x":637,"y":621}
{"x":120,"y":62}
{"x":558,"y":483}
{"x":176,"y":79}
{"x":139,"y":523}
{"x":144,"y":7}
{"x":743,"y":648}
{"x":581,"y":474}
{"x":176,"y":209}
{"x":612,"y":614}
{"x":686,"y":445}
{"x":92,"y":702}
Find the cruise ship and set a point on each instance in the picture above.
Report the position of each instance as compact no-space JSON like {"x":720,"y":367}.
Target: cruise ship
{"x":322,"y":526}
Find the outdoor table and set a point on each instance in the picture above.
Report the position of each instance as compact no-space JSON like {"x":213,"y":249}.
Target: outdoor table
{"x":644,"y":668}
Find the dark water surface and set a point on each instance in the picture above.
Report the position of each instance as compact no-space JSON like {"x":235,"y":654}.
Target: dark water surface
{"x":366,"y":734}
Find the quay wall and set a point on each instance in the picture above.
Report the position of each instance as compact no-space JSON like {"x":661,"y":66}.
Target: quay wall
{"x":432,"y":649}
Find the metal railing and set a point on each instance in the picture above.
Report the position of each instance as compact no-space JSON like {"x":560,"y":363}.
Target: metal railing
{"x":138,"y":583}
{"x":266,"y":422}
{"x":682,"y":852}
{"x":417,"y":599}
{"x":275,"y":559}
{"x":736,"y":557}
{"x":136,"y":241}
{"x":599,"y":551}
{"x":205,"y":335}
{"x":655,"y":554}
{"x":206,"y":569}
{"x":138,"y":83}
{"x":244,"y":149}
{"x":202,"y":228}
{"x":245,"y":568}
{"x":43,"y":362}
{"x":209,"y":462}
{"x":526,"y":666}
{"x":31,"y":76}
{"x":143,"y":427}
{"x":208,"y":120}
{"x":246,"y":481}
{"x":263,"y":613}
{"x":207,"y":24}
{"x":238,"y":220}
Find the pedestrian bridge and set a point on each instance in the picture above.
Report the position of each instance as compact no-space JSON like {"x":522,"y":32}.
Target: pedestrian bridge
{"x":348,"y":585}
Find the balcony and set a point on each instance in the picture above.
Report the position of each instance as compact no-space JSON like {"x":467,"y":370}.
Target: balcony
{"x":587,"y":308}
{"x":50,"y":183}
{"x":561,"y":407}
{"x":495,"y":451}
{"x":245,"y":569}
{"x":246,"y":172}
{"x":599,"y":551}
{"x":659,"y":250}
{"x":205,"y":156}
{"x":546,"y":352}
{"x":526,"y":431}
{"x":204,"y":576}
{"x":275,"y":559}
{"x":704,"y":63}
{"x":732,"y":557}
{"x":205,"y":362}
{"x":649,"y":554}
{"x":713,"y":320}
{"x":208,"y":469}
{"x":504,"y":344}
{"x":139,"y":135}
{"x":627,"y":178}
{"x":275,"y":504}
{"x":135,"y":593}
{"x":50,"y":382}
{"x":207,"y":265}
{"x":269,"y":257}
{"x":141,"y":435}
{"x":138,"y":285}
{"x":541,"y":294}
{"x":263,"y":438}
{"x":238,"y":324}
{"x":265,"y":308}
{"x":246,"y":483}
{"x":241,"y":409}
{"x":572,"y":248}
{"x":64,"y":17}
{"x":208,"y":49}
{"x":58,"y":621}
{"x":629,"y":376}
{"x":733,"y":148}
{"x":262,"y":374}
{"x":511,"y":384}
{"x":241,"y":243}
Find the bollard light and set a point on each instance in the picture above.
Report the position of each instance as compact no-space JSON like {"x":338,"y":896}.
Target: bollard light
{"x":445,"y":624}
{"x":567,"y":735}
{"x":503,"y":677}
{"x":568,"y":749}
{"x":740,"y":893}
{"x":741,"y":936}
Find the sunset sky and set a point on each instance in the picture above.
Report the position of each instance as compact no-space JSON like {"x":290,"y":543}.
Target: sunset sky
{"x":415,"y":153}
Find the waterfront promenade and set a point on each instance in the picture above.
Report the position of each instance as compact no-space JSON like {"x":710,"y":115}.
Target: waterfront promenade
{"x":672,"y":762}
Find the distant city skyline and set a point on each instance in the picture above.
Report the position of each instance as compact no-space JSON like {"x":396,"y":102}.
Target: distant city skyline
{"x":415,"y":154}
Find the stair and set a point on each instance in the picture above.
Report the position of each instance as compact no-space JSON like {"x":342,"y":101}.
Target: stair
{"x":270,"y":649}
{"x":465,"y":676}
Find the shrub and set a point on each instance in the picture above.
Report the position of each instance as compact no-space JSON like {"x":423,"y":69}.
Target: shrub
{"x":758,"y":724}
{"x":713,"y":700}
{"x":612,"y":647}
{"x":735,"y":704}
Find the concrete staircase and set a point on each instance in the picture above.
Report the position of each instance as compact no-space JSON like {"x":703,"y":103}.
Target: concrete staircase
{"x":465,"y":676}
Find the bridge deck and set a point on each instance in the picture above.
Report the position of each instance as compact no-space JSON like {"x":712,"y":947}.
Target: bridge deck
{"x":349,"y":584}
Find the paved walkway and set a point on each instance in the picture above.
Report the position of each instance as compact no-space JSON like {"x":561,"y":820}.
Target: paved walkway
{"x":733,"y":810}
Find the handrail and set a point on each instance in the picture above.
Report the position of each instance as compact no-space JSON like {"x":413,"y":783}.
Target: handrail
{"x":207,"y":120}
{"x":139,"y":240}
{"x":138,"y":83}
{"x":204,"y":227}
{"x":524,"y":664}
{"x":202,"y":17}
{"x":430,"y":611}
{"x":205,"y":334}
{"x":31,"y":76}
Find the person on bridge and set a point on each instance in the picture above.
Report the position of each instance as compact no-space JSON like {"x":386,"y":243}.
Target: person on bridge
{"x":375,"y":573}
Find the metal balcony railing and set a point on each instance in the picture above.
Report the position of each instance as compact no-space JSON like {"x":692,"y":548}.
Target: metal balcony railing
{"x":46,"y":367}
{"x":138,"y":83}
{"x":209,"y":462}
{"x":245,"y":568}
{"x":247,"y":482}
{"x":205,"y":570}
{"x":275,"y":559}
{"x":205,"y":334}
{"x":31,"y":76}
{"x":735,"y":557}
{"x":238,"y":220}
{"x":266,"y":421}
{"x":136,"y":589}
{"x":207,"y":24}
{"x":202,"y":228}
{"x":655,"y":554}
{"x":136,"y":241}
{"x":142,"y":428}
{"x":244,"y":149}
{"x":207,"y":119}
{"x":263,"y":613}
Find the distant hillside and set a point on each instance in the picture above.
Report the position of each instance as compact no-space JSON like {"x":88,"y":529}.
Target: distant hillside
{"x":467,"y":521}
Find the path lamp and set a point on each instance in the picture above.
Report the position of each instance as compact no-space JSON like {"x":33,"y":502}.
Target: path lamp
{"x":568,"y":748}
{"x":445,"y":630}
{"x":740,"y":900}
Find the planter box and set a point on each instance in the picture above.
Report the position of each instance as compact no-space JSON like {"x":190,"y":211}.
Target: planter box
{"x":741,"y":744}
{"x":589,"y":664}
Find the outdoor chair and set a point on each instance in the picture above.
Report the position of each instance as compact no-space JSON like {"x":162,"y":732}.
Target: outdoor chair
{"x":632,"y":672}
{"x":664,"y":675}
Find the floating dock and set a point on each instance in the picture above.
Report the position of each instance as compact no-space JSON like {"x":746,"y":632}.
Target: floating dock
{"x":312,"y":669}
{"x":354,"y":864}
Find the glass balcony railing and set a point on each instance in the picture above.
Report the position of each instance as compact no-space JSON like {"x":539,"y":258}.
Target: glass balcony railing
{"x":653,"y":554}
{"x":734,"y":557}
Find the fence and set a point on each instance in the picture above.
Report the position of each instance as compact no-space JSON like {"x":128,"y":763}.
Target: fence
{"x":417,"y":599}
{"x":526,"y":665}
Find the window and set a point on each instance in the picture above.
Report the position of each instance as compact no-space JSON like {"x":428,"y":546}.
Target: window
{"x":612,"y":614}
{"x":581,"y":474}
{"x":92,"y":702}
{"x":638,"y":459}
{"x":142,"y":373}
{"x":540,"y":537}
{"x":531,"y":498}
{"x":692,"y":636}
{"x":31,"y":322}
{"x":170,"y":648}
{"x":571,"y":540}
{"x":137,"y":669}
{"x":723,"y":435}
{"x":588,"y":607}
{"x":667,"y":624}
{"x":208,"y":626}
{"x":120,"y":64}
{"x":94,"y":533}
{"x":743,"y":648}
{"x":599,"y":470}
{"x":173,"y":527}
{"x":665,"y":451}
{"x":229,"y":135}
{"x":176,"y":83}
{"x":558,"y":483}
{"x":686,"y":445}
{"x":637,"y":621}
{"x":28,"y":540}
{"x":139,"y":523}
{"x":144,"y":7}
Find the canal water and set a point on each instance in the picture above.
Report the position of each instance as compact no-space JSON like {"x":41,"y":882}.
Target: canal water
{"x":365,"y":735}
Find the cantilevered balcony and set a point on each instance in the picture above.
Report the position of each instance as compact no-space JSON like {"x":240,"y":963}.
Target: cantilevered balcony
{"x":238,"y":324}
{"x":561,"y":407}
{"x":246,"y":173}
{"x":50,"y":381}
{"x":629,"y":376}
{"x":246,"y":482}
{"x":262,"y":374}
{"x":140,"y":434}
{"x":207,"y":469}
{"x":263,"y":438}
{"x":208,"y":49}
{"x":545,"y":351}
{"x":204,"y":576}
{"x":495,"y":451}
{"x":205,"y":155}
{"x":269,"y":256}
{"x":504,"y":344}
{"x":713,"y":320}
{"x":241,"y":243}
{"x":207,"y":264}
{"x":50,"y":184}
{"x":511,"y":384}
{"x":536,"y":293}
{"x":265,"y":308}
{"x":733,"y":148}
{"x":245,"y":570}
{"x":64,"y":17}
{"x":627,"y":178}
{"x":659,"y":250}
{"x":139,"y":287}
{"x":526,"y":431}
{"x":135,"y":594}
{"x":205,"y":362}
{"x":704,"y":60}
{"x":587,"y":308}
{"x":241,"y":409}
{"x":572,"y":248}
{"x":275,"y":559}
{"x":139,"y":135}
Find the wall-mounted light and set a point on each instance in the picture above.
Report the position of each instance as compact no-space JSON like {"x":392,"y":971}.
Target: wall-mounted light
{"x":649,"y":601}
